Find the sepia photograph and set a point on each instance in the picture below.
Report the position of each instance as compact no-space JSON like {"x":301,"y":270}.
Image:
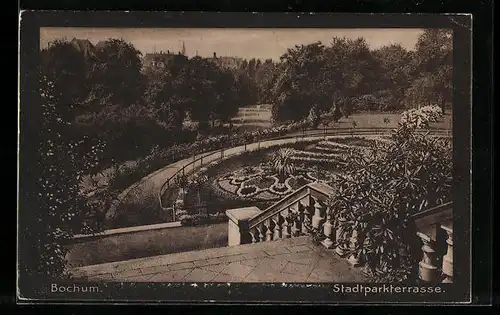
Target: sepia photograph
{"x":243,"y":155}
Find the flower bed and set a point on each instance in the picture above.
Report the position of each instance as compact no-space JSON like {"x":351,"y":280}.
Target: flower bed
{"x":262,"y":185}
{"x":247,"y":191}
{"x":249,"y":178}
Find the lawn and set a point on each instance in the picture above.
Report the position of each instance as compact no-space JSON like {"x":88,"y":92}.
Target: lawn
{"x":253,"y":117}
{"x":376,"y":120}
{"x":249,"y":119}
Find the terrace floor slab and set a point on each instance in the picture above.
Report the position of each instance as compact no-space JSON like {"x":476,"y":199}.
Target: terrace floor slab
{"x":300,"y":262}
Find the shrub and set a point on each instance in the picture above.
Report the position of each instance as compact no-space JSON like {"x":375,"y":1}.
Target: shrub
{"x":376,"y":199}
{"x":198,"y":219}
{"x":59,"y":210}
{"x":420,"y":118}
{"x":313,"y":119}
{"x":336,"y":113}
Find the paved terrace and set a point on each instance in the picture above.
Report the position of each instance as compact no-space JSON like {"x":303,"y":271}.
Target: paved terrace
{"x":294,"y":260}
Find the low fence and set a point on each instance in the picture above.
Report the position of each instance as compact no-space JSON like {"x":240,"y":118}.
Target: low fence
{"x":217,"y":155}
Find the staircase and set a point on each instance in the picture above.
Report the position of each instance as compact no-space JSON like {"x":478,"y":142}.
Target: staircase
{"x":304,"y":211}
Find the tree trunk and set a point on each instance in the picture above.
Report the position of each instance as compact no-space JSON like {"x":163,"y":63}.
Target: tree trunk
{"x":443,"y":103}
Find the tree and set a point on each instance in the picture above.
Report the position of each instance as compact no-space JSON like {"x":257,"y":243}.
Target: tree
{"x":116,"y":75}
{"x":349,"y":71}
{"x":168,"y":92}
{"x":434,"y":57}
{"x":66,"y":67}
{"x":202,"y":81}
{"x":394,"y":75}
{"x":422,"y":91}
{"x":265,"y":79}
{"x":62,"y":211}
{"x":337,"y":114}
{"x":296,"y":88}
{"x":227,"y":100}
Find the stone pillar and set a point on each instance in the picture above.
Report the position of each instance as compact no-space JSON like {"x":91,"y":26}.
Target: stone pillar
{"x":338,"y":235}
{"x":318,"y":219}
{"x":427,"y":268}
{"x":238,"y":229}
{"x":328,"y":232}
{"x":448,"y":258}
{"x":354,"y":259}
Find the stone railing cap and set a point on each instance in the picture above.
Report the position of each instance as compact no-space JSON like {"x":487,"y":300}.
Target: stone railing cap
{"x":321,"y":187}
{"x":242,"y":214}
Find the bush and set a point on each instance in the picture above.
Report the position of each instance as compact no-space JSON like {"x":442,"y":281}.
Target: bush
{"x":313,"y":119}
{"x":199,"y":219}
{"x":336,"y":113}
{"x":375,"y":199}
{"x":420,"y":118}
{"x":59,"y":210}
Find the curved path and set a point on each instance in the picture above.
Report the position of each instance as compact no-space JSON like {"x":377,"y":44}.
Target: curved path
{"x":149,"y":186}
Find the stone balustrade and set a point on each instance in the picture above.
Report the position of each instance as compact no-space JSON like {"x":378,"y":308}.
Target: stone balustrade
{"x":304,"y":212}
{"x":435,"y":231}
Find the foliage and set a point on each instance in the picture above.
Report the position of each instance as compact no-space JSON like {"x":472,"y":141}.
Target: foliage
{"x":380,"y":191}
{"x":282,"y":163}
{"x":420,"y":118}
{"x":199,"y":219}
{"x":65,"y":66}
{"x":114,"y":75}
{"x":314,"y":117}
{"x":434,"y":59}
{"x":337,"y":114}
{"x":357,"y":78}
{"x":62,"y":211}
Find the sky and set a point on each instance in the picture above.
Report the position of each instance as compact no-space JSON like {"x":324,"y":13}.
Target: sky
{"x":244,"y":43}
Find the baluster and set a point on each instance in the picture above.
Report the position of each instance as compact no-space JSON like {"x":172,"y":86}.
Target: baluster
{"x":297,"y":227}
{"x":301,"y":218}
{"x":278,"y":229}
{"x":304,"y":210}
{"x":294,"y":227}
{"x":448,"y":258}
{"x":353,"y":244}
{"x":253,"y":235}
{"x":318,"y":219}
{"x":269,"y":230}
{"x":311,"y":201}
{"x":328,"y":231}
{"x":340,"y":250}
{"x":286,"y":228}
{"x":262,"y":236}
{"x":427,"y":269}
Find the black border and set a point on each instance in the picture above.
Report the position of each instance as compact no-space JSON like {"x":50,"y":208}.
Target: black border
{"x":31,"y":21}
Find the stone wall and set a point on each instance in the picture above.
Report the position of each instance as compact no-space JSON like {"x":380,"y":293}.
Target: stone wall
{"x":144,"y":241}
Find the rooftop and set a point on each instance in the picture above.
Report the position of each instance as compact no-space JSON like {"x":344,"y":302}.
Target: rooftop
{"x":294,"y":260}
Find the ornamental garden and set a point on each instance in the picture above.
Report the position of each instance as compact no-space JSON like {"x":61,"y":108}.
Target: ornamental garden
{"x":261,"y":177}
